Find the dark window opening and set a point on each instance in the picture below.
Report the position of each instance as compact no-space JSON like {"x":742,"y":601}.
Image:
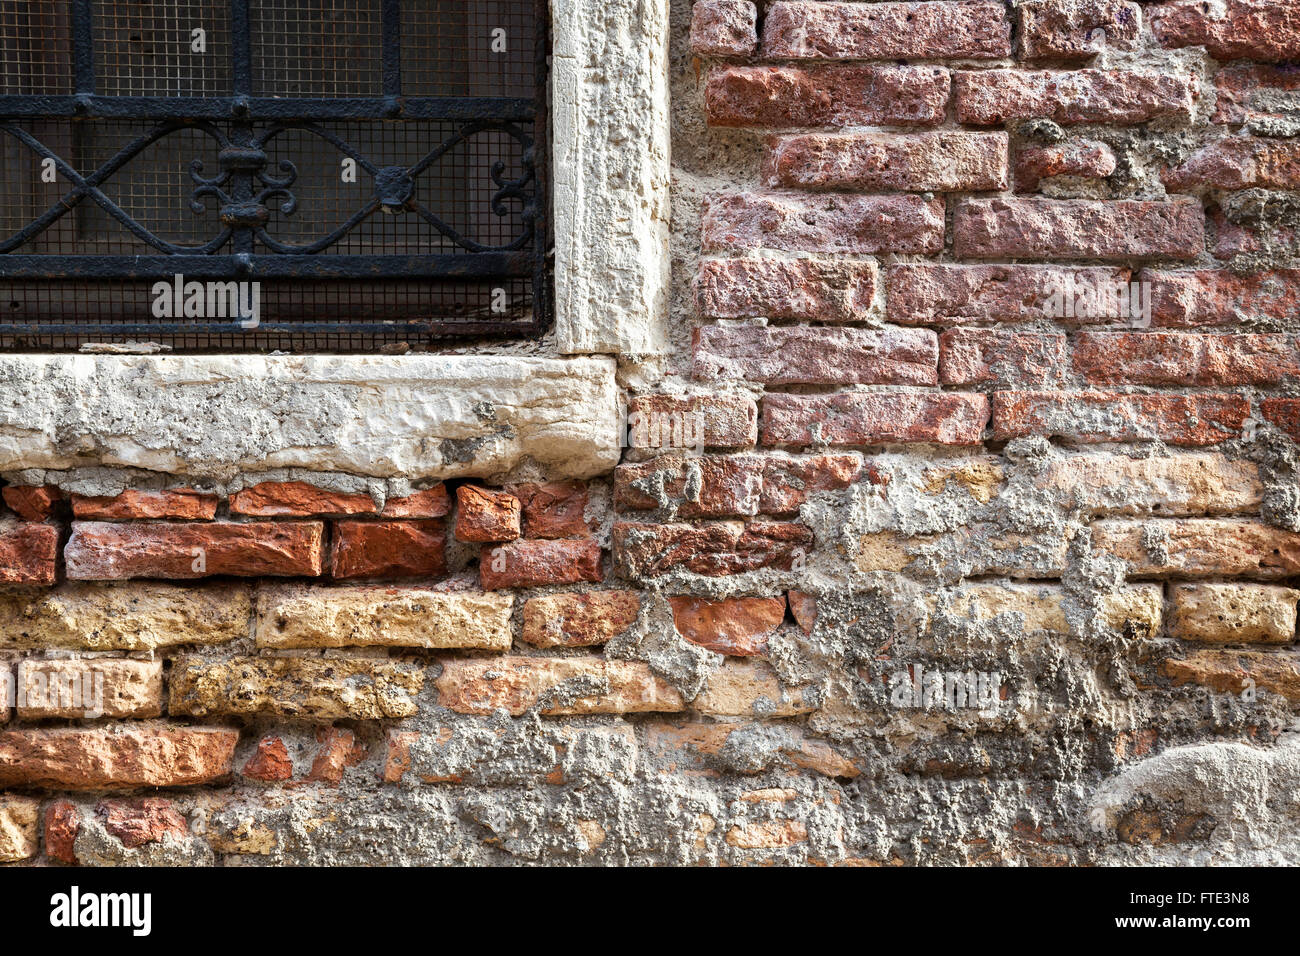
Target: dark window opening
{"x":376,"y":167}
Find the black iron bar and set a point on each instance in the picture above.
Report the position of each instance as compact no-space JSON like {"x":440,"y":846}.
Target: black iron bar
{"x":504,"y":108}
{"x":83,"y":46}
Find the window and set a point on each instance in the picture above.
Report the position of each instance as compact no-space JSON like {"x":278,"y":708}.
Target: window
{"x":369,"y":171}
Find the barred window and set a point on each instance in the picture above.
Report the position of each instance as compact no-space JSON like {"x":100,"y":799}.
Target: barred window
{"x":240,"y":174}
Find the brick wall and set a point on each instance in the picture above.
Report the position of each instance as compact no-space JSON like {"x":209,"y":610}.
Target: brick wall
{"x":961,"y":523}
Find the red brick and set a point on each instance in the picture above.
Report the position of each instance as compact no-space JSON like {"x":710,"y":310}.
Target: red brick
{"x":695,"y":747}
{"x":1113,"y":97}
{"x":649,"y":550}
{"x":947,"y":161}
{"x":1077,"y":29}
{"x":28,"y":553}
{"x":104,"y":551}
{"x":826,"y":291}
{"x":1085,"y":158}
{"x":742,"y":485}
{"x":1284,"y":413}
{"x":1200,"y":547}
{"x":579,"y":620}
{"x":430,"y":503}
{"x":1218,"y":297}
{"x":181,"y":503}
{"x":1110,"y":416}
{"x":1183,"y":358}
{"x":816,"y":356}
{"x":142,"y":820}
{"x":1263,"y":30}
{"x":519,"y":684}
{"x":984,"y":356}
{"x":89,"y":688}
{"x":389,"y":549}
{"x":271,"y":763}
{"x":1248,"y":93}
{"x":32,"y":502}
{"x":734,"y":626}
{"x":804,"y":608}
{"x":125,"y":757}
{"x":1078,"y":229}
{"x":1232,"y":672}
{"x":485,"y":515}
{"x":855,"y":225}
{"x":665,"y":422}
{"x":724,"y":28}
{"x":782,"y":97}
{"x":875,"y":418}
{"x":1238,"y":162}
{"x":797,"y":29}
{"x":1259,"y":226}
{"x":62,"y":824}
{"x":296,"y":499}
{"x":339,"y":750}
{"x":537,"y":562}
{"x":554,"y":509}
{"x":932,"y":293}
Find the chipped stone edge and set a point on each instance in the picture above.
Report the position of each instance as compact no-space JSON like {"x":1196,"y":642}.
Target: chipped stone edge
{"x":218,"y":416}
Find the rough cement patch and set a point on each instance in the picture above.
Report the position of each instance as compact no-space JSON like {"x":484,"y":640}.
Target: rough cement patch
{"x":1252,"y":794}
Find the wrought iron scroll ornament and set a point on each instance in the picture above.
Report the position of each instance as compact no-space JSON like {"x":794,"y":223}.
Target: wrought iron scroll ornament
{"x":244,"y":189}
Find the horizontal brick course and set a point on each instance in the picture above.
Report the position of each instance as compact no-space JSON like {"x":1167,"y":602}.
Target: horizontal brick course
{"x":1116,"y":98}
{"x":737,"y":485}
{"x":816,"y":356}
{"x":712,"y":550}
{"x":934,"y":293}
{"x":1176,"y":358}
{"x":1231,"y":29}
{"x":101,"y":551}
{"x":1078,"y":229}
{"x":178,"y":503}
{"x":1099,"y":416}
{"x":820,"y":289}
{"x":947,"y":161}
{"x":874,"y":418}
{"x":787,"y":97}
{"x":970,"y":29}
{"x":115,"y":758}
{"x":519,"y":684}
{"x":1200,"y":547}
{"x":1077,"y":29}
{"x":530,"y":563}
{"x":796,"y":222}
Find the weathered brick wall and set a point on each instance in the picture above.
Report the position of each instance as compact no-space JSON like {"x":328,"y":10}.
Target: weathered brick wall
{"x":924,"y":548}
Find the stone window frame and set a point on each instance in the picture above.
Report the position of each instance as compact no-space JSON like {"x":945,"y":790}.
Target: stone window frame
{"x":610,"y":132}
{"x":421,"y":416}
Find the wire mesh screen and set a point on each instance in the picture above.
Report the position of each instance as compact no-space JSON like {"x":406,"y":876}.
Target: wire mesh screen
{"x":373,"y":168}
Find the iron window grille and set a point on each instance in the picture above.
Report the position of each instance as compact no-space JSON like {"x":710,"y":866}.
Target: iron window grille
{"x":377,"y":167}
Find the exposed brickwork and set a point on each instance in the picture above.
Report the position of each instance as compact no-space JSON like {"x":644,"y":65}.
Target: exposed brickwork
{"x":859,"y":225}
{"x":993,"y":97}
{"x":131,"y":504}
{"x":1078,"y":229}
{"x":824,"y":290}
{"x":105,"y":551}
{"x":955,"y":520}
{"x":796,"y":29}
{"x":388,"y":549}
{"x":778,"y":97}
